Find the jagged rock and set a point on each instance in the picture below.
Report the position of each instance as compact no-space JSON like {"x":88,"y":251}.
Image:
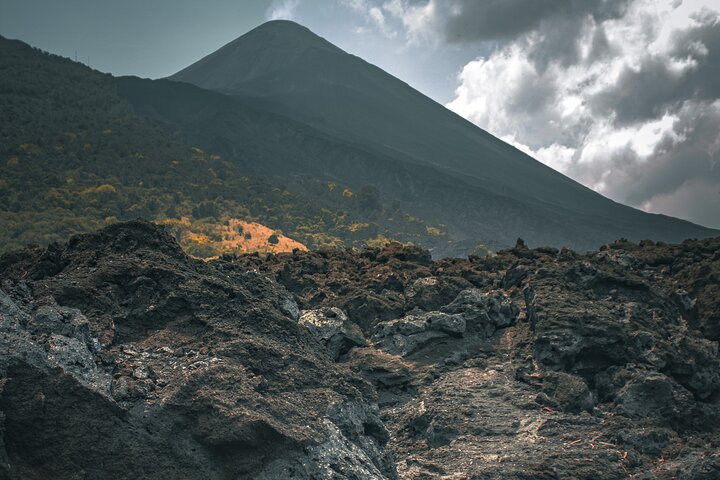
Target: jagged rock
{"x":529,"y":363}
{"x":361,"y":424}
{"x":431,"y":293}
{"x":515,"y":276}
{"x":290,"y":307}
{"x":412,"y":332}
{"x":451,"y":324}
{"x":331,"y":326}
{"x":483,"y":312}
{"x":567,"y":392}
{"x":654,"y":395}
{"x":203,"y":371}
{"x":68,"y":322}
{"x":390,"y":375}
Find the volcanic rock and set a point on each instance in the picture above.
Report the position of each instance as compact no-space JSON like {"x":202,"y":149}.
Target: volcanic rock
{"x":529,"y":363}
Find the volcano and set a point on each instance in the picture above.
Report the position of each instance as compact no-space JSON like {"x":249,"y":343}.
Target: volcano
{"x":452,"y":170}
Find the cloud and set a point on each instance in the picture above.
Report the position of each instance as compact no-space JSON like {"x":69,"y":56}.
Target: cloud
{"x":418,"y":18}
{"x":282,"y":9}
{"x":462,"y":21}
{"x":373,"y":14}
{"x":690,"y":69}
{"x":696,"y":195}
{"x":472,"y":20}
{"x":629,"y":105}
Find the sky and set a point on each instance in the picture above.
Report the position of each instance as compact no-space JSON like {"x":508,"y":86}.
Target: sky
{"x":620,"y":95}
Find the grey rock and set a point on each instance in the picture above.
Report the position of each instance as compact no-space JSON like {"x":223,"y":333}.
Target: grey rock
{"x":653,"y":395}
{"x":76,"y":359}
{"x":404,"y":345}
{"x":290,"y":307}
{"x":68,"y":322}
{"x":453,"y":324}
{"x":409,"y":334}
{"x":333,"y":328}
{"x":568,"y":392}
{"x":483,"y":312}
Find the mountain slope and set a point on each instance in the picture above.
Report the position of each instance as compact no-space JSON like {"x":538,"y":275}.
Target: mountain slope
{"x":285,"y":68}
{"x":77,"y":155}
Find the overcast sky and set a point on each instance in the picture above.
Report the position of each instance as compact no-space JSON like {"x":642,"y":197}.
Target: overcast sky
{"x":621,"y":95}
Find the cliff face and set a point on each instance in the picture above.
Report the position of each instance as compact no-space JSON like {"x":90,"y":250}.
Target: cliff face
{"x":121,"y":357}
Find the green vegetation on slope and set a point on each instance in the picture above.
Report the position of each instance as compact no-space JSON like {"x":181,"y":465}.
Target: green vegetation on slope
{"x":75,"y":156}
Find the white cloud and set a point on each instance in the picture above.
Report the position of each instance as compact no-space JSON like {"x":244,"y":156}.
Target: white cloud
{"x":633,"y":119}
{"x":419,"y":20}
{"x":282,"y":9}
{"x":373,"y":14}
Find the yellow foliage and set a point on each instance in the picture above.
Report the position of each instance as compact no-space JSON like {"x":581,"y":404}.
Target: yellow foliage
{"x":435,"y":232}
{"x":331,"y":186}
{"x":347,"y":193}
{"x":481,"y":250}
{"x":356,"y":227}
{"x":325,"y":240}
{"x":54,"y":196}
{"x":198,"y":154}
{"x":199,"y":238}
{"x":175,"y":222}
{"x":13,"y":162}
{"x":378,"y":242}
{"x":99,"y":190}
{"x":30,"y":148}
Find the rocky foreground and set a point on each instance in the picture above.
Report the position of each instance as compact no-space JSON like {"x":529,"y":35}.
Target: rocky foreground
{"x":121,"y":357}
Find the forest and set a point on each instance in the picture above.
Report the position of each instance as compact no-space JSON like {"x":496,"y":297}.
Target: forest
{"x":76,"y":156}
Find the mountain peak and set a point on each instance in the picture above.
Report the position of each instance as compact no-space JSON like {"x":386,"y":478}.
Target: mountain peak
{"x":285,"y":33}
{"x":267,"y":49}
{"x":282,"y":26}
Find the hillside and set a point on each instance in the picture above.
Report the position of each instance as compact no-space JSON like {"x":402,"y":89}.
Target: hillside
{"x":76,"y":155}
{"x":481,"y":187}
{"x":122,"y":357}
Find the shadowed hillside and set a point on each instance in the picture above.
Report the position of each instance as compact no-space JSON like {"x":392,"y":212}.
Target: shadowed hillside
{"x":75,"y":155}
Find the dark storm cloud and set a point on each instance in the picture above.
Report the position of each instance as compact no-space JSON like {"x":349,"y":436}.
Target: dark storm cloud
{"x":478,"y":20}
{"x":559,"y":23}
{"x":701,"y":44}
{"x":661,"y":83}
{"x":690,"y":157}
{"x":641,"y":94}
